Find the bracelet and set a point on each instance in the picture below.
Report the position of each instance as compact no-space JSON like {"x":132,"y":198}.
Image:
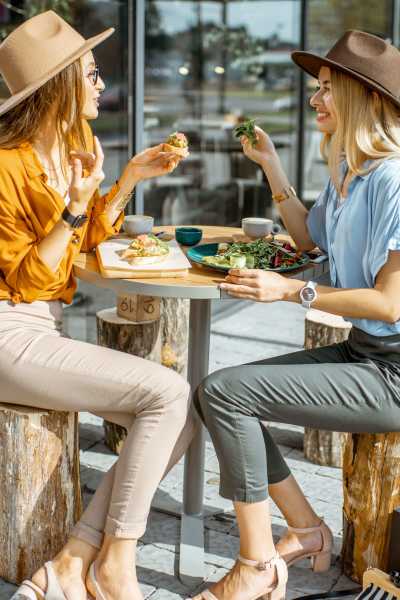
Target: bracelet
{"x":286,"y":193}
{"x":124,"y":200}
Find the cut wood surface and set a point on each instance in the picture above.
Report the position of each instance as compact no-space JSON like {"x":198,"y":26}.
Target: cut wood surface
{"x":40,"y":497}
{"x":140,"y":339}
{"x":323,"y":329}
{"x":371,"y":482}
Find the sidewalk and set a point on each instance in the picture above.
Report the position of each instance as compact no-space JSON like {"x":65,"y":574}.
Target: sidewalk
{"x":238,"y":335}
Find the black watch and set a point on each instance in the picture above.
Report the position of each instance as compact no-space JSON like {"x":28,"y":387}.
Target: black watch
{"x":72,"y":220}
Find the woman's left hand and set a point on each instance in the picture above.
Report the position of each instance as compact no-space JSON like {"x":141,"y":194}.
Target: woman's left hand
{"x":257,"y":285}
{"x":153,"y":162}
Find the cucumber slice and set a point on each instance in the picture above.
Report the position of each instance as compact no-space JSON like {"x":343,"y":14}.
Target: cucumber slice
{"x":237,"y":261}
{"x":250,"y":261}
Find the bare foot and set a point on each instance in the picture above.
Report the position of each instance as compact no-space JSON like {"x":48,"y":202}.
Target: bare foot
{"x":69,"y":575}
{"x":115,"y":585}
{"x":242,"y":582}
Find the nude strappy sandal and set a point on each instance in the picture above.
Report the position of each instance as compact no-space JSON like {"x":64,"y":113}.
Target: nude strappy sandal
{"x":30,"y":591}
{"x":92,"y":577}
{"x":320,"y":560}
{"x":275,"y":592}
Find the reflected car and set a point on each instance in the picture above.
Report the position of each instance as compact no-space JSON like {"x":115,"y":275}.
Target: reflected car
{"x":285,"y":103}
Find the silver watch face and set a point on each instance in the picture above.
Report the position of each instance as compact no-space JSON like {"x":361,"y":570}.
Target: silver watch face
{"x":308,"y":294}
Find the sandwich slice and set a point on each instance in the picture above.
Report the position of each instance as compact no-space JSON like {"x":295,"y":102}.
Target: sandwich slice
{"x":178,"y":143}
{"x":145,"y":249}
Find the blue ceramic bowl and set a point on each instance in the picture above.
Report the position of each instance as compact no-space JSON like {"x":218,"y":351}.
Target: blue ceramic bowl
{"x":188,"y":236}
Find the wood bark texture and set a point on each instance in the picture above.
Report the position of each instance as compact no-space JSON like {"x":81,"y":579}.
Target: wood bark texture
{"x":40,"y":497}
{"x":371,"y":483}
{"x":323,"y":329}
{"x":139,"y":339}
{"x":175,"y":333}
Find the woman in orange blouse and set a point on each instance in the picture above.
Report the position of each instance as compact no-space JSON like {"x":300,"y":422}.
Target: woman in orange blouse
{"x":50,"y":210}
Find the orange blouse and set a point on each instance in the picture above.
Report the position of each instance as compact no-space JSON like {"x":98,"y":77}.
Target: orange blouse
{"x":29,"y":209}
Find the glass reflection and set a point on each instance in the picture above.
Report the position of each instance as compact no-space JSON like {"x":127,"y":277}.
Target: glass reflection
{"x":111,"y":126}
{"x":210,"y":65}
{"x":328,"y":19}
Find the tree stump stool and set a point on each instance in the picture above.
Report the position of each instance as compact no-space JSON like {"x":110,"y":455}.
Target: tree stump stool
{"x":175,"y":334}
{"x":160,"y":334}
{"x":371,"y":485}
{"x":40,"y":498}
{"x":324,"y":329}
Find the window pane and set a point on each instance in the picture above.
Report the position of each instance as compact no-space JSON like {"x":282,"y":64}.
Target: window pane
{"x":112,"y":58}
{"x":328,"y":19}
{"x":210,"y":65}
{"x":90,"y":18}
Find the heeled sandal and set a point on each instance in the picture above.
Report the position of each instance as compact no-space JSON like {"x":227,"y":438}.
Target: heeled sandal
{"x":30,"y":591}
{"x":275,"y":592}
{"x":95,"y":583}
{"x":320,"y":560}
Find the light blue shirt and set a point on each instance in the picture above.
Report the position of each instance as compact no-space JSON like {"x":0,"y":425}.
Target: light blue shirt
{"x":358,"y":233}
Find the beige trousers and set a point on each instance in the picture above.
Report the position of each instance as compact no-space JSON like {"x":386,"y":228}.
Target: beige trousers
{"x":41,"y":368}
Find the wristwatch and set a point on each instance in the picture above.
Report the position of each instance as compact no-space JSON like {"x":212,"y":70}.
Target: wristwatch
{"x":308,"y":294}
{"x":73,"y":221}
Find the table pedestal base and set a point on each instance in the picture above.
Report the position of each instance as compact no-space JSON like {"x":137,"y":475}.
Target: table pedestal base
{"x":191,"y":558}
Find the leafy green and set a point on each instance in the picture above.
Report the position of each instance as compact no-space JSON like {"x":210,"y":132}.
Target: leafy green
{"x":260,"y":254}
{"x":247,"y":128}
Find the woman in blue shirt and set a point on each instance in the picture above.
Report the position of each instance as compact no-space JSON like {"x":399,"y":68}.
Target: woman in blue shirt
{"x":352,"y":386}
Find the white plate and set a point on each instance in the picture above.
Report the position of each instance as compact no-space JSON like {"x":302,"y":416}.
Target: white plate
{"x":110,"y":260}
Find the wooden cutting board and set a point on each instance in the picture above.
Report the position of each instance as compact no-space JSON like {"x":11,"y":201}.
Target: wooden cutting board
{"x":112,"y":266}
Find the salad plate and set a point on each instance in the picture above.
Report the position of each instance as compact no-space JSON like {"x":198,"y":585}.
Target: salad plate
{"x":276,"y":256}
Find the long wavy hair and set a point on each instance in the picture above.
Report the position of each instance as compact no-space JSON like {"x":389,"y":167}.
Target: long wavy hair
{"x":368,"y":128}
{"x":65,"y":91}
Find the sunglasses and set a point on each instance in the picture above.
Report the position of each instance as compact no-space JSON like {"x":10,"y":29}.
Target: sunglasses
{"x":93,"y":75}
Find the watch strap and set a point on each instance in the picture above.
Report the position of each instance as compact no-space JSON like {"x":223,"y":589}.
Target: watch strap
{"x":74,"y":221}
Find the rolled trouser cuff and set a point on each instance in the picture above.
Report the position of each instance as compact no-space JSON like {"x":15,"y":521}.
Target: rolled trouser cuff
{"x":128,"y":531}
{"x":242,"y":495}
{"x":88,"y":534}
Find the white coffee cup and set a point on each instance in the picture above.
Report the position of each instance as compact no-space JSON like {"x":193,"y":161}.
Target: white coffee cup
{"x":138,"y":224}
{"x":257,"y":227}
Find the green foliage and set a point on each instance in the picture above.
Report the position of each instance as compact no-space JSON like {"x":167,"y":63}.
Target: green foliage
{"x":34,"y":7}
{"x":328,"y":19}
{"x":61,"y":7}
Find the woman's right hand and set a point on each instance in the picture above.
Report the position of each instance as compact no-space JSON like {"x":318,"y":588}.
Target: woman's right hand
{"x":262,"y":151}
{"x":81,"y":188}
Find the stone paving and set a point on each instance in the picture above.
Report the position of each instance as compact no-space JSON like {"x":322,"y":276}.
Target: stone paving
{"x":240,"y":333}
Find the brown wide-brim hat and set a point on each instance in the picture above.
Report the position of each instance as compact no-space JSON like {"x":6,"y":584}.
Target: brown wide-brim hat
{"x":365,"y":57}
{"x":38,"y":50}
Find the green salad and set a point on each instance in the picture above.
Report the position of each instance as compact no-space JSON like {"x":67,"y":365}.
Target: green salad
{"x":259,"y":254}
{"x":247,"y":129}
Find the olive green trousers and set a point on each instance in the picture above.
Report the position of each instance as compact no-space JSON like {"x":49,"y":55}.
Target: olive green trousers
{"x":352,"y":386}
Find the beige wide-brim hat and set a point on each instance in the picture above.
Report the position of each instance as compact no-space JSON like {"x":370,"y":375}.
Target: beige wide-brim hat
{"x":37,"y":50}
{"x":363,"y":56}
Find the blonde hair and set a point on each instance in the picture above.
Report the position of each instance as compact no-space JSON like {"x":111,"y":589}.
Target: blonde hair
{"x":65,"y":91}
{"x":368,"y":128}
